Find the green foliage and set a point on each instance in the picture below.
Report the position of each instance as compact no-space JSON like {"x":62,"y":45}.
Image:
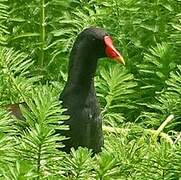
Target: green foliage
{"x":160,"y":60}
{"x":4,"y":15}
{"x":78,"y":165}
{"x":34,"y":140}
{"x":116,"y":92}
{"x":35,"y":39}
{"x":6,"y":141}
{"x":14,"y":70}
{"x":106,"y":166}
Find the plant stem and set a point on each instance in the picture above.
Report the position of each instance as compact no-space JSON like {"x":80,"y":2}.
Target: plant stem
{"x":42,"y":32}
{"x":38,"y":162}
{"x":178,"y":138}
{"x":162,"y":126}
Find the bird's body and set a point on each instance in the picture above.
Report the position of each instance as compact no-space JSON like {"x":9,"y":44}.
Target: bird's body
{"x":78,"y":95}
{"x":85,"y":121}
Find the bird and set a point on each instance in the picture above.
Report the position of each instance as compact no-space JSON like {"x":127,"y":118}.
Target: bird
{"x":79,"y":96}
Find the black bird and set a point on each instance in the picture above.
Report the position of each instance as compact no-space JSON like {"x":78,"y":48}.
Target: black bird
{"x":79,"y":96}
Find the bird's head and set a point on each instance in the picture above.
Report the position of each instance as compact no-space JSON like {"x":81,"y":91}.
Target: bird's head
{"x":101,"y":43}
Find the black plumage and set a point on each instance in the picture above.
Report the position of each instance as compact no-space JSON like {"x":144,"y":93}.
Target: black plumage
{"x":79,"y":96}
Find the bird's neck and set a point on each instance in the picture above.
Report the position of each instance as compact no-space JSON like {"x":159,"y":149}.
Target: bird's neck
{"x":82,"y":69}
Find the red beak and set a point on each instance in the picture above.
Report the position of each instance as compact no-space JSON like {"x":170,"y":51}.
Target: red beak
{"x":111,"y":51}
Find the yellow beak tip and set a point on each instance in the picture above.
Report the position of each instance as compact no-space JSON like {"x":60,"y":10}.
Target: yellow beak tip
{"x":120,"y":60}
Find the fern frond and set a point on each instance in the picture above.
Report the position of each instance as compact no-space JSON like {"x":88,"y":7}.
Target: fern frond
{"x":15,"y":69}
{"x":37,"y":143}
{"x":116,"y":90}
{"x":7,"y":156}
{"x":4,"y":15}
{"x":156,"y":68}
{"x":79,"y":165}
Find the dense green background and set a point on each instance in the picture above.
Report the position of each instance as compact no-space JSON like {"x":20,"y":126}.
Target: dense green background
{"x":35,"y":40}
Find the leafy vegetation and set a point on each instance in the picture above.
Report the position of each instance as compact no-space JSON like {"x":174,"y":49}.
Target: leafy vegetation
{"x":142,"y":137}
